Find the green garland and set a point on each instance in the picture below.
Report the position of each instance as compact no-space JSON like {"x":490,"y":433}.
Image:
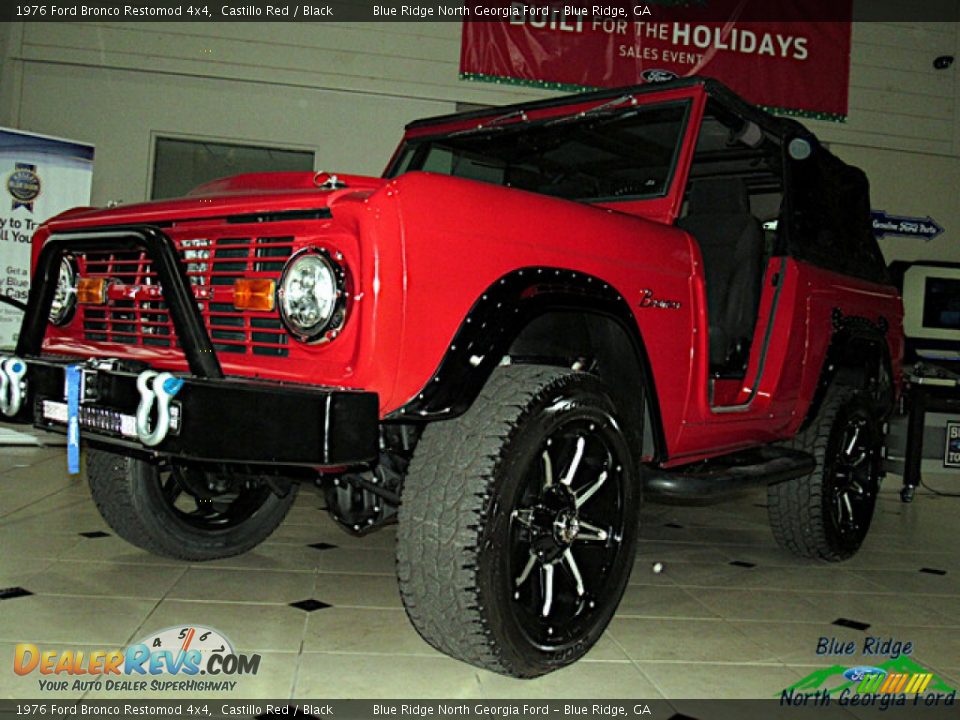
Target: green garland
{"x":808,"y":114}
{"x":522,"y":82}
{"x":572,"y":87}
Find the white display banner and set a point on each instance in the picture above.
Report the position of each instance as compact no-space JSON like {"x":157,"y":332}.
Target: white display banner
{"x":40,"y":177}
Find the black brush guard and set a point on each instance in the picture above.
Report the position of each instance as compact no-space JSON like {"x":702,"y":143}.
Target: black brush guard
{"x":220,"y":419}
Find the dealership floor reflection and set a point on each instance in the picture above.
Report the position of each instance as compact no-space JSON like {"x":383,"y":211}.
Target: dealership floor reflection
{"x":730,"y":615}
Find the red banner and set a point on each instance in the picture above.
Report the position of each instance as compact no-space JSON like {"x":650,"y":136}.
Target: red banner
{"x":789,"y":61}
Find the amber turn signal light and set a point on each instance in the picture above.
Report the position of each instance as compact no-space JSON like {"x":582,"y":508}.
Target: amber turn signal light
{"x":254,"y":294}
{"x":92,"y":291}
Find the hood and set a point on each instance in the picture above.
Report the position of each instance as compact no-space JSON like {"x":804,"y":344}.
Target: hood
{"x":246,"y":195}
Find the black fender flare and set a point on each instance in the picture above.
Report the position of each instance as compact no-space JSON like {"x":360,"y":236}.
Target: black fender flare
{"x":498,"y":316}
{"x":855,"y":341}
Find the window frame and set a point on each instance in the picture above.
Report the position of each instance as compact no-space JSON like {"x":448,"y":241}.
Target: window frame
{"x":413,"y":147}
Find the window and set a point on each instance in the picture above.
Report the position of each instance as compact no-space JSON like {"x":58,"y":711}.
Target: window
{"x":941,"y":303}
{"x":831,"y":217}
{"x":181,"y":165}
{"x":614,"y":155}
{"x":729,"y":147}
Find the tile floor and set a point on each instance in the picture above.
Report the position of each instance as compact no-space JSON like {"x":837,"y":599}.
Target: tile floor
{"x":702,"y":628}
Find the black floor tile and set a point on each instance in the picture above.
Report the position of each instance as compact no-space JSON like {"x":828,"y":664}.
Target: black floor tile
{"x":310,"y":605}
{"x":852,"y":624}
{"x":13,"y":592}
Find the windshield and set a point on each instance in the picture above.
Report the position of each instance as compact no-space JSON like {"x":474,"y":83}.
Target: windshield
{"x":613,"y":155}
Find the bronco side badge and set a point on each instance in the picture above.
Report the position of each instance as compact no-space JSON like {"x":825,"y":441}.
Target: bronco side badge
{"x":647,"y":300}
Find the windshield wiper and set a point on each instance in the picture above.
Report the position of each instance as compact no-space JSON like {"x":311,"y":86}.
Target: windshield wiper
{"x":608,"y":106}
{"x":499,"y":121}
{"x":492,"y":123}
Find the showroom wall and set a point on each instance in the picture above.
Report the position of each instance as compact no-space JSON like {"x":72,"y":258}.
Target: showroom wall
{"x":345,"y":91}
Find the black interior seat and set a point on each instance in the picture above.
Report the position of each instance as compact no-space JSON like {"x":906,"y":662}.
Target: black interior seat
{"x":731,"y":242}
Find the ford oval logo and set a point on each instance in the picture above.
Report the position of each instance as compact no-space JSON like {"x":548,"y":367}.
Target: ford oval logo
{"x":658,"y":76}
{"x":857,"y":674}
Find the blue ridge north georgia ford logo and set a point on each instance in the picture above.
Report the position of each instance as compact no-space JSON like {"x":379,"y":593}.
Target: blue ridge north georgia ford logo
{"x":23,"y":184}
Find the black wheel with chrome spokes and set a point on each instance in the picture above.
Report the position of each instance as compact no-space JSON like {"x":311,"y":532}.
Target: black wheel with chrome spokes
{"x":518,"y":525}
{"x":184,"y":511}
{"x":210,"y":501}
{"x":826,"y":515}
{"x":567,"y":530}
{"x":852,"y":475}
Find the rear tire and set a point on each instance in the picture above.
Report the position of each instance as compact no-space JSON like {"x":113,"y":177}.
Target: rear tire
{"x":518,"y":525}
{"x":146,"y":507}
{"x":826,"y":515}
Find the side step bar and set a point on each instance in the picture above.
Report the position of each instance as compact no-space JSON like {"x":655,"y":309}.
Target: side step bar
{"x":723,"y":478}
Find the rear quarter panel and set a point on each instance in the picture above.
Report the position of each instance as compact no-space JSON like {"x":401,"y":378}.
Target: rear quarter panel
{"x":800,"y":337}
{"x":828,"y":291}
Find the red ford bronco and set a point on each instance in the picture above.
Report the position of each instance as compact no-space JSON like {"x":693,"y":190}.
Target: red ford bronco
{"x":539,"y":316}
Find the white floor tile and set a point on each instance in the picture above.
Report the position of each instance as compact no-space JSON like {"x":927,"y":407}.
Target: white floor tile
{"x":700,"y":628}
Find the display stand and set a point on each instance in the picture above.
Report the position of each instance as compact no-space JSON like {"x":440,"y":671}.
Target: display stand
{"x":931,"y":390}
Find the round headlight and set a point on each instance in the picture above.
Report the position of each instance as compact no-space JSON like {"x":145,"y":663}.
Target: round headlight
{"x":310,"y":295}
{"x":65,"y":297}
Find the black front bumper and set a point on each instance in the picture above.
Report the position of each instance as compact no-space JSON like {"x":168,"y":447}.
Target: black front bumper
{"x":233,"y":420}
{"x":224,"y":420}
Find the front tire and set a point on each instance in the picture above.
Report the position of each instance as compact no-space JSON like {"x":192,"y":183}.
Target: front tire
{"x":518,"y":525}
{"x":183,"y":512}
{"x":826,"y":515}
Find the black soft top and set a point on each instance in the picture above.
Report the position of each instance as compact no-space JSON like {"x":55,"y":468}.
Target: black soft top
{"x":828,"y":219}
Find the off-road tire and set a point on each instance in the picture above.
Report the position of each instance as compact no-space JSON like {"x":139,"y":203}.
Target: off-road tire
{"x":453,"y":559}
{"x":800,"y":509}
{"x":128,"y":495}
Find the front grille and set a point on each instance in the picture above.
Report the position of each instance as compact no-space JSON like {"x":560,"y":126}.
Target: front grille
{"x":210,"y":263}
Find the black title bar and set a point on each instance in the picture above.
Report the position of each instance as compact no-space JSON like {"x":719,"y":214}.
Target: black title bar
{"x":812,"y":706}
{"x":538,"y":12}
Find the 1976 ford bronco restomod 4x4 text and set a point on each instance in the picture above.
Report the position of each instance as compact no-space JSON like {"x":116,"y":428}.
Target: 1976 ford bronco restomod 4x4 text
{"x":540,"y":315}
